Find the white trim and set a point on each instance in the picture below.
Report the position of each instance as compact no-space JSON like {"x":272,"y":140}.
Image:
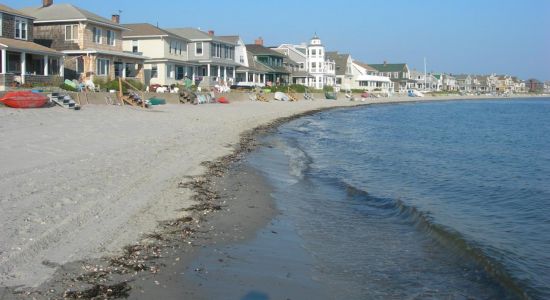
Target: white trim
{"x":113,"y":38}
{"x":99,"y":33}
{"x":108,"y":65}
{"x":81,"y":20}
{"x":21,"y":22}
{"x":131,"y":37}
{"x":1,"y":22}
{"x":202,"y":49}
{"x":72,"y":32}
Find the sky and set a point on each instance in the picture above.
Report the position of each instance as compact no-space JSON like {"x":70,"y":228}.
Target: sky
{"x":455,"y":36}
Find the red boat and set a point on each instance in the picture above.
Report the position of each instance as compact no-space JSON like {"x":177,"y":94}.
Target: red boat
{"x":24,"y":99}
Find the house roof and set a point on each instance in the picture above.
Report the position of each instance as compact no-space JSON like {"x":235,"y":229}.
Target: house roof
{"x":11,"y":11}
{"x":341,"y":61}
{"x":366,"y":66}
{"x":145,"y":30}
{"x":27,"y":46}
{"x":65,"y":12}
{"x":107,"y":52}
{"x":261,"y":50}
{"x":233,"y":39}
{"x":191,"y":34}
{"x":389,"y":67}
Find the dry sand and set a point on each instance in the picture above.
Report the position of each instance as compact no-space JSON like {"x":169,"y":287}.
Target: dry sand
{"x":81,"y":185}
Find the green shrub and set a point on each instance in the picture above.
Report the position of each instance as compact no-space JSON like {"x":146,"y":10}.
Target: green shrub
{"x":113,"y":85}
{"x":68,"y":87}
{"x":138,"y":85}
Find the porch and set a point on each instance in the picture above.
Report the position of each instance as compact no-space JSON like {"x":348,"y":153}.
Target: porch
{"x":105,"y":65}
{"x":212,"y":74}
{"x":36,"y":65}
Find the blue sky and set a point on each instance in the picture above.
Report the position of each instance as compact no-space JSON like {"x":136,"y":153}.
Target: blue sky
{"x":467,"y":36}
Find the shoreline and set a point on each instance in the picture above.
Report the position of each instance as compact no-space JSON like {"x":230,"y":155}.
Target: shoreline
{"x":146,"y":257}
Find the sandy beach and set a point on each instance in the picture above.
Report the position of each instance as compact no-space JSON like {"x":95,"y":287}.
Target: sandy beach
{"x":77,"y":186}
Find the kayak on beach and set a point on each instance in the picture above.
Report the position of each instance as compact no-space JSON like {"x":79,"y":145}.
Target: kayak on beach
{"x":24,"y":99}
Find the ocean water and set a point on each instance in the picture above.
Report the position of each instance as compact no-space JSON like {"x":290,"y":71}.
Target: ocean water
{"x":446,"y":200}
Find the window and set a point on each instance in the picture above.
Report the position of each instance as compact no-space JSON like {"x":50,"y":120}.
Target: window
{"x":110,"y":37}
{"x":21,"y":28}
{"x":180,"y":70}
{"x":135,"y":46}
{"x":103,"y":67}
{"x":313,"y":67}
{"x":313,"y":52}
{"x":198,"y":48}
{"x":180,"y":46}
{"x":97,"y":35}
{"x":154,"y":71}
{"x":53,"y":66}
{"x":241,"y":59}
{"x":71,"y":32}
{"x":320,"y":52}
{"x":395,"y":74}
{"x":169,"y":71}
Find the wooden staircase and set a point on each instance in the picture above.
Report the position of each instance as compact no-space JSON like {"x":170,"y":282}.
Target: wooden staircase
{"x":64,"y":100}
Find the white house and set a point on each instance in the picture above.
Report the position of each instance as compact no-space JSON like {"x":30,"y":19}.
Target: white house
{"x":318,"y":69}
{"x":167,"y":60}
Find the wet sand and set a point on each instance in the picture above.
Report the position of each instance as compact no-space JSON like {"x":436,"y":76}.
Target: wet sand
{"x":115,"y":199}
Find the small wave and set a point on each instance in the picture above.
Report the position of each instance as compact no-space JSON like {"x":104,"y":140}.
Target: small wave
{"x":298,"y":160}
{"x":446,"y":237}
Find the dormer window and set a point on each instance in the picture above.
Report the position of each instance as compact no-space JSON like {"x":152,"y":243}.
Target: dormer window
{"x":21,"y":28}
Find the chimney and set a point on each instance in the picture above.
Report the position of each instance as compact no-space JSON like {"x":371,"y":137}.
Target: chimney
{"x":46,"y":3}
{"x":114,"y":18}
{"x":211,"y":32}
{"x":259,"y":41}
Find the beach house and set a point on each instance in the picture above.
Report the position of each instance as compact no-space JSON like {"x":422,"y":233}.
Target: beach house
{"x":369,"y":79}
{"x":23,"y":61}
{"x":399,"y":74}
{"x":248,"y":73}
{"x":316,"y":69}
{"x":297,"y":54}
{"x":270,"y":61}
{"x":167,"y":57}
{"x":213,"y":57}
{"x":92,"y":44}
{"x":343,"y":64}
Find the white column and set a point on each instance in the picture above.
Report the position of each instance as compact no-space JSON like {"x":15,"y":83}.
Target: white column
{"x":208,"y":71}
{"x":219,"y":73}
{"x":123,"y":70}
{"x":193,"y":75}
{"x":46,"y":66}
{"x":62,"y":67}
{"x":4,"y":61}
{"x":245,"y":76}
{"x":234,"y":73}
{"x":23,"y":66}
{"x":225,"y":74}
{"x":264,"y":78}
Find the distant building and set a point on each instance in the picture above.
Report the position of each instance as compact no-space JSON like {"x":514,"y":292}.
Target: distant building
{"x":317,"y":70}
{"x":270,"y":62}
{"x":398,"y":73}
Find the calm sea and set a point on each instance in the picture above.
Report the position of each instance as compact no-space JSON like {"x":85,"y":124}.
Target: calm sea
{"x":446,"y":200}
